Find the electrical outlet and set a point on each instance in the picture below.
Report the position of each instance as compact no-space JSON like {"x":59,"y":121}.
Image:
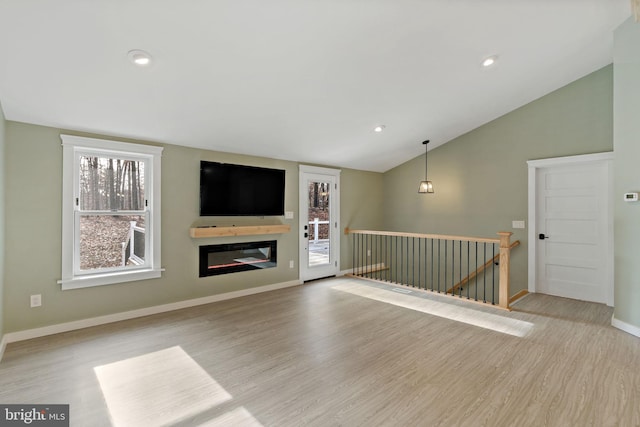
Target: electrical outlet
{"x":288,"y":215}
{"x":291,"y":263}
{"x":517,"y":224}
{"x":368,"y":252}
{"x":36,"y":300}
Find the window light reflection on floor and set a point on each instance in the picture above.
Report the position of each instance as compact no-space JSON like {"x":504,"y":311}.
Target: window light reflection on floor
{"x":237,"y":417}
{"x":449,"y":311}
{"x":161,"y":388}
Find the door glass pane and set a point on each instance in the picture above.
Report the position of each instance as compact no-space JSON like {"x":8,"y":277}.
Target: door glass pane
{"x":319,"y":220}
{"x":108,"y":241}
{"x":109,"y":183}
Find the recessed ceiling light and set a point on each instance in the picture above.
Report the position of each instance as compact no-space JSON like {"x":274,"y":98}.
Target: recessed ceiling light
{"x":379,"y":128}
{"x":488,"y":62}
{"x":139,"y":57}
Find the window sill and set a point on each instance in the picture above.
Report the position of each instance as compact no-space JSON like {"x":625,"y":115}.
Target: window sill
{"x":109,"y":279}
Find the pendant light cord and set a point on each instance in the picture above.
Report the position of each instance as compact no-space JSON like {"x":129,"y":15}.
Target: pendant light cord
{"x":426,"y":163}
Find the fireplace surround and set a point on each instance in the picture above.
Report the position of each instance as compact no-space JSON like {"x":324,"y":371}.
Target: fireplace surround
{"x":235,"y":257}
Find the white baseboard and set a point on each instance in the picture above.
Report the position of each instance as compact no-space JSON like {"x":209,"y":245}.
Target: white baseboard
{"x":368,"y":267}
{"x":3,"y":345}
{"x":624,"y":326}
{"x":117,"y":317}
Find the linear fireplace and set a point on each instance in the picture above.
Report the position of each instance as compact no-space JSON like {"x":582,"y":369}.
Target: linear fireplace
{"x":234,"y":257}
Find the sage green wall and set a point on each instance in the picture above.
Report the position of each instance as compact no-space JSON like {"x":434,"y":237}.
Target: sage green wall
{"x":480,"y":178}
{"x":2,"y":217}
{"x":361,"y":207}
{"x":33,"y":215}
{"x":627,"y":171}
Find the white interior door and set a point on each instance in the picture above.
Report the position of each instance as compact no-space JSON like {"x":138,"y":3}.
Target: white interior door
{"x":319,"y":222}
{"x":572,"y":231}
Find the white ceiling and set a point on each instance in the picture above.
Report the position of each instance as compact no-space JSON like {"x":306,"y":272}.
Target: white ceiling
{"x":302,"y":80}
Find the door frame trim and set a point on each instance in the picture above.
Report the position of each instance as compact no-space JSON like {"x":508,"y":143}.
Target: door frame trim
{"x":335,"y":207}
{"x":605,"y":158}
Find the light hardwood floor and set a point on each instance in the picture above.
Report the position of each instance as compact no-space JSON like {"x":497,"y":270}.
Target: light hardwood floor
{"x":339,"y":352}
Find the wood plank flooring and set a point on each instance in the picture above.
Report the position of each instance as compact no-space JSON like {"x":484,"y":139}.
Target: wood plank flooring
{"x":339,"y":352}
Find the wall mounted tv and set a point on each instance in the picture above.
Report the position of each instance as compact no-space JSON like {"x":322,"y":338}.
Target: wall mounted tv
{"x":237,"y":190}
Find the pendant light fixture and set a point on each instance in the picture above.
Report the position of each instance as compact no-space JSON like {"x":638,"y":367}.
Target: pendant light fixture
{"x":425,"y":186}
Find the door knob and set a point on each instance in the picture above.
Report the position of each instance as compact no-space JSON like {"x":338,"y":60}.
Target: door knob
{"x":541,"y":236}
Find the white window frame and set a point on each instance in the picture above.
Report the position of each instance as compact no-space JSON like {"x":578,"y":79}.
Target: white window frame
{"x":74,"y":147}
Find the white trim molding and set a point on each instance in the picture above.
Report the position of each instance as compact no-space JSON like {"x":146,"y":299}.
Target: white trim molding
{"x":624,"y":326}
{"x":3,"y":345}
{"x":73,"y":149}
{"x":533,"y":165}
{"x":117,"y":317}
{"x":319,"y":170}
{"x":333,"y":267}
{"x":569,"y":160}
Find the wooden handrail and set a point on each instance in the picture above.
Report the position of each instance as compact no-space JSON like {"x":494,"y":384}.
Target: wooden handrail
{"x":479,"y":270}
{"x":505,"y":269}
{"x":504,"y":259}
{"x":423,"y":236}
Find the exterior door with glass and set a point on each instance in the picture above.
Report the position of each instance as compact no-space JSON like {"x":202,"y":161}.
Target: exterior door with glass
{"x":319,"y":222}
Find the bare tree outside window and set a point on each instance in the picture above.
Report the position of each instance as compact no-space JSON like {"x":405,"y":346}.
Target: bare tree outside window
{"x":319,"y":208}
{"x":111,"y":184}
{"x":110,"y":189}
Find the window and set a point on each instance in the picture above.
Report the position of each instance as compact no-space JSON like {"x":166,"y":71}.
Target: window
{"x":110,"y":212}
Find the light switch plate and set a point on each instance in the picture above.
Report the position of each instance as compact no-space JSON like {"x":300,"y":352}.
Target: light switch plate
{"x":36,"y":300}
{"x":288,"y":215}
{"x":517,"y":224}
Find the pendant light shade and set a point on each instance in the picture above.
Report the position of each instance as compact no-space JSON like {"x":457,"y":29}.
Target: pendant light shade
{"x":426,"y":186}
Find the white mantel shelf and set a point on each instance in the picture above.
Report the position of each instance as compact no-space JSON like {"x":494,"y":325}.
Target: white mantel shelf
{"x":242,"y":230}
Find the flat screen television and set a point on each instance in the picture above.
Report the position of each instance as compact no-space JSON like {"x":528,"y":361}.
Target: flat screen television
{"x":238,"y":190}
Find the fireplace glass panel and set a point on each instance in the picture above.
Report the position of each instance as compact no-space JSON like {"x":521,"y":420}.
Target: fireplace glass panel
{"x":235,"y":257}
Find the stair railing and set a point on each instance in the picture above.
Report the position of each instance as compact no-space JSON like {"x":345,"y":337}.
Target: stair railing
{"x":474,"y":268}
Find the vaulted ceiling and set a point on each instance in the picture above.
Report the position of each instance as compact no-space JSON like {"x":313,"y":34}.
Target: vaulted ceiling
{"x":302,"y":80}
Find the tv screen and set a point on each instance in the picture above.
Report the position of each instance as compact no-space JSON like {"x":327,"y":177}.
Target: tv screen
{"x":234,"y":190}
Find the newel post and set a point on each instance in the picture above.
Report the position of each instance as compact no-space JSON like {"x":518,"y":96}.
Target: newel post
{"x":505,"y":267}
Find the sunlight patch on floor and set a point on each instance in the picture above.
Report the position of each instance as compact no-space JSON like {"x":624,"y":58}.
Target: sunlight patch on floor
{"x":237,"y":417}
{"x":158,"y":388}
{"x":449,"y":311}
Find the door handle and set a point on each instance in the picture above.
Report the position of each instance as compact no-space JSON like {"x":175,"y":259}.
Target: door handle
{"x":541,"y":236}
